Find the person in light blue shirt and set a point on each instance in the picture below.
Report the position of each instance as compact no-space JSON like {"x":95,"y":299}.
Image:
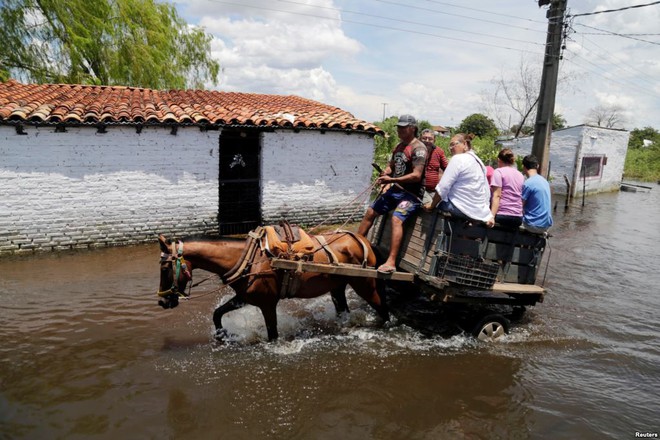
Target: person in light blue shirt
{"x":535,"y":197}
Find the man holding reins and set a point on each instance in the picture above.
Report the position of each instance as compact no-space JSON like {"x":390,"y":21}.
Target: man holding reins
{"x":404,"y":174}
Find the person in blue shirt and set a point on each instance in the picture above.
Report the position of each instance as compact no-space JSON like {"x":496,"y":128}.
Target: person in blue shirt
{"x":535,"y":197}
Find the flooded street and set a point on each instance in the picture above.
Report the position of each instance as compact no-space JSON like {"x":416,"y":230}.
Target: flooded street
{"x":87,"y":353}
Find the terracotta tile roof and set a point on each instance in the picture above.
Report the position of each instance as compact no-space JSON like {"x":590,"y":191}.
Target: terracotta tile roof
{"x":73,"y":104}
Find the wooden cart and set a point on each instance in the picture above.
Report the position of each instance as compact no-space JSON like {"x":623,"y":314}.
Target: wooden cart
{"x":492,"y":271}
{"x":453,"y":273}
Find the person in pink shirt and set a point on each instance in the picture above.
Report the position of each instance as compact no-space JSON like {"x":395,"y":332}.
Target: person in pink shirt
{"x":506,"y":189}
{"x":489,"y":173}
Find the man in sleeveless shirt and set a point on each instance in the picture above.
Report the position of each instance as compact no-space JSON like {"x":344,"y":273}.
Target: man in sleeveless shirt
{"x":404,"y":174}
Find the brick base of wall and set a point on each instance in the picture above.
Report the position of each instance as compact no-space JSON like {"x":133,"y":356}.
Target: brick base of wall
{"x":101,"y":235}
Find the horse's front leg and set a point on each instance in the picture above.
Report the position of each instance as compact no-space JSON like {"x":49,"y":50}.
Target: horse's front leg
{"x":270,"y":317}
{"x":233,"y":304}
{"x":338,"y":295}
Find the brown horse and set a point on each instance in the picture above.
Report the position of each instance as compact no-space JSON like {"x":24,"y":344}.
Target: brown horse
{"x":259,"y":284}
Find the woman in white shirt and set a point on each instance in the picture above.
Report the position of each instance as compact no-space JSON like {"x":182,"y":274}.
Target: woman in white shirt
{"x":463,"y":189}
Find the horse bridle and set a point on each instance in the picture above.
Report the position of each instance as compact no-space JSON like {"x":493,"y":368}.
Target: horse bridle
{"x":177,"y":264}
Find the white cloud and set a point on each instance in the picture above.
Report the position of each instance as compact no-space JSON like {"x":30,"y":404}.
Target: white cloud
{"x":280,"y":44}
{"x":608,"y":99}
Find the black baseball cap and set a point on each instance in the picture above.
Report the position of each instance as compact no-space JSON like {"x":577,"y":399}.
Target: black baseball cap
{"x":406,"y":120}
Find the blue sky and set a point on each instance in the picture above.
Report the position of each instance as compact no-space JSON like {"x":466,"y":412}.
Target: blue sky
{"x":436,"y":60}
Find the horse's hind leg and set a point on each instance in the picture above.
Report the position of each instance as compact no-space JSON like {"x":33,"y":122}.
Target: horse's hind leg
{"x":338,"y":295}
{"x":233,"y":304}
{"x":366,"y":289}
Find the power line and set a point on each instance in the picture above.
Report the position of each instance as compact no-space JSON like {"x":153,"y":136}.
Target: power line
{"x":400,"y":20}
{"x":623,"y":35}
{"x":485,"y":12}
{"x":614,"y":10}
{"x":626,"y":85}
{"x":458,"y":15}
{"x":609,"y":57}
{"x":617,"y":34}
{"x":377,"y":26}
{"x":411,"y":30}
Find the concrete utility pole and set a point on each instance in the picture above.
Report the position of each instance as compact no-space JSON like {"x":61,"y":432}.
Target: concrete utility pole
{"x":546,"y":105}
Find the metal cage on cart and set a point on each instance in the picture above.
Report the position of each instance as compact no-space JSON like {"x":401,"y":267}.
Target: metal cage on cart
{"x":467,"y":271}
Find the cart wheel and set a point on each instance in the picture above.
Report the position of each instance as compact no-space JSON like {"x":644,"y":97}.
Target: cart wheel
{"x":491,"y":327}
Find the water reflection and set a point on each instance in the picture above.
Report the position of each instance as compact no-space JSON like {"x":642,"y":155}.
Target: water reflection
{"x":87,"y":352}
{"x":331,"y":390}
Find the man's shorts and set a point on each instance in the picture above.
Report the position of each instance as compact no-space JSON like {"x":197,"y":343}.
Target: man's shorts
{"x":403,"y":204}
{"x":428,"y":196}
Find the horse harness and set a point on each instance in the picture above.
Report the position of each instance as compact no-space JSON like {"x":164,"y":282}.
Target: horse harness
{"x":286,"y":242}
{"x":305,"y":252}
{"x":264,"y":239}
{"x":177,"y":264}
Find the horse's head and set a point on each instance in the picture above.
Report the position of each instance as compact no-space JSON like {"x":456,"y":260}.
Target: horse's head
{"x":175,"y":273}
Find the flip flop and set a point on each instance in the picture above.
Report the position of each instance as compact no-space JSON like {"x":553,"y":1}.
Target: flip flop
{"x":386,"y":269}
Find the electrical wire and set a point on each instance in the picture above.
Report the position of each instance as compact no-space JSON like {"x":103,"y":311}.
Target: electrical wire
{"x":400,"y":20}
{"x":458,"y":15}
{"x":618,"y":35}
{"x":463,"y":40}
{"x":609,"y":57}
{"x":408,"y":30}
{"x":484,"y":11}
{"x":626,"y":85}
{"x":615,"y":10}
{"x":622,"y":35}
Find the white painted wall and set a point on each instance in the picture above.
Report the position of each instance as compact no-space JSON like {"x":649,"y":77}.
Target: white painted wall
{"x":84,"y":189}
{"x":307,"y":177}
{"x":614,"y":145}
{"x":568,"y":147}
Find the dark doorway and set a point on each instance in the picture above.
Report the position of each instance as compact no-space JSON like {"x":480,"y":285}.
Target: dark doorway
{"x":240,"y":177}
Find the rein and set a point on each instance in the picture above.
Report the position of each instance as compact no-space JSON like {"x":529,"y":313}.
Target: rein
{"x":358,"y":201}
{"x":245,"y":262}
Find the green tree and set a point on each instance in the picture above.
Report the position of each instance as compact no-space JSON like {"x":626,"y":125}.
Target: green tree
{"x":479,"y":125}
{"x":141,"y":43}
{"x":638,"y":135}
{"x":383,"y":145}
{"x":643,"y":163}
{"x":558,"y":121}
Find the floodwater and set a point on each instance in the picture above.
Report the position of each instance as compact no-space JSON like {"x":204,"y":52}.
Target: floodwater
{"x":85,"y":352}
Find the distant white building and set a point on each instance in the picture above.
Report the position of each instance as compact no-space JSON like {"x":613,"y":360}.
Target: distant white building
{"x":589,"y":158}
